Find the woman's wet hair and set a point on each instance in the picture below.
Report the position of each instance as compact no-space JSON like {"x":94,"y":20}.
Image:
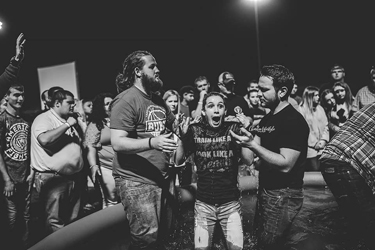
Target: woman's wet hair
{"x":214,"y":93}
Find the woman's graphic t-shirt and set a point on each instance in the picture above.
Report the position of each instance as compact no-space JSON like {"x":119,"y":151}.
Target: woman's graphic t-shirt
{"x":217,"y":157}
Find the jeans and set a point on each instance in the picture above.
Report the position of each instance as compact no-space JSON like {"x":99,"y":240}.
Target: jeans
{"x":18,"y":207}
{"x":61,"y":198}
{"x":142,"y":204}
{"x":354,"y":198}
{"x":275,"y":212}
{"x":228,"y":215}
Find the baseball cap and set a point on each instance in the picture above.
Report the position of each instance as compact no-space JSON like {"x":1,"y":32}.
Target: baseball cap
{"x":186,"y":89}
{"x":337,"y":66}
{"x":226,"y":77}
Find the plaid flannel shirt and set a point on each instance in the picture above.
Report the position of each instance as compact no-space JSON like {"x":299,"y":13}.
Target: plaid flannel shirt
{"x":355,"y":143}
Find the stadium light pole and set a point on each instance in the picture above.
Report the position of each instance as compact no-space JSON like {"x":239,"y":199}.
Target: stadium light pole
{"x":257,"y":31}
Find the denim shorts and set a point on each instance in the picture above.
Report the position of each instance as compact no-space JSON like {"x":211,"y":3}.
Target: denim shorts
{"x":228,"y":215}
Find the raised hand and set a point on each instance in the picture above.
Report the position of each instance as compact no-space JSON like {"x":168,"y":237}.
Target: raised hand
{"x":20,"y":50}
{"x":197,"y":119}
{"x":202,"y":94}
{"x":184,"y":125}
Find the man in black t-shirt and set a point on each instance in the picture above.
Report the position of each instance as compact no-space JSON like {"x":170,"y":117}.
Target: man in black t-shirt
{"x":187,"y":96}
{"x":237,"y":107}
{"x":11,"y":72}
{"x":16,"y":179}
{"x":280,"y":142}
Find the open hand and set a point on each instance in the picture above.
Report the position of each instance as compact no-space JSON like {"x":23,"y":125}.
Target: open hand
{"x":20,"y":51}
{"x":245,"y":139}
{"x":184,"y":125}
{"x":164,"y":143}
{"x":231,"y":118}
{"x":9,"y":188}
{"x":245,"y":120}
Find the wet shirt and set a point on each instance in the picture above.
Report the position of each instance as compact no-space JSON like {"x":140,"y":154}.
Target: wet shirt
{"x":14,"y":138}
{"x":217,"y":157}
{"x":142,"y":116}
{"x":354,"y":143}
{"x":286,"y":129}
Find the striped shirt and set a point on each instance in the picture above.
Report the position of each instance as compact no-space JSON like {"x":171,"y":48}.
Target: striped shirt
{"x":355,"y":143}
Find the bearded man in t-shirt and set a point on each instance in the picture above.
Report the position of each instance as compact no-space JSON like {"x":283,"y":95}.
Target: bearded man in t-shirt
{"x":139,"y":119}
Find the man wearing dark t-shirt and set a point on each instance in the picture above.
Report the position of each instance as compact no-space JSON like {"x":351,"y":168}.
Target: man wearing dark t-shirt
{"x":15,"y":168}
{"x":11,"y":72}
{"x":280,"y":142}
{"x":140,"y":167}
{"x":187,"y":96}
{"x":235,"y":104}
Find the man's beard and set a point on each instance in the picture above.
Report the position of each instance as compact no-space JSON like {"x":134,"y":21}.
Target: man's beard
{"x":151,"y":84}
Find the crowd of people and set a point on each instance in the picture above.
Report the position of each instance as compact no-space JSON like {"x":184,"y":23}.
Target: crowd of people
{"x":138,"y":145}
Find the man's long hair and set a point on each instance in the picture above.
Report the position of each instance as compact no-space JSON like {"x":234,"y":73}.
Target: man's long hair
{"x":126,"y":78}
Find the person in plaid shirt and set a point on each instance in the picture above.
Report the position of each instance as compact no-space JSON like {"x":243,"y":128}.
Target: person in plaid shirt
{"x":348,"y":167}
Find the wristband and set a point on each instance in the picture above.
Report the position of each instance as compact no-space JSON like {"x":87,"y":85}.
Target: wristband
{"x":149,"y":143}
{"x":67,"y":124}
{"x":94,"y":166}
{"x":200,"y":103}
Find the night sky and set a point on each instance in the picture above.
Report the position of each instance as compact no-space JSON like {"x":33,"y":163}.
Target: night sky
{"x":190,"y":38}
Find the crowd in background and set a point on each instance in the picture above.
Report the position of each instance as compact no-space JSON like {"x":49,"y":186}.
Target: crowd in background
{"x":68,"y":144}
